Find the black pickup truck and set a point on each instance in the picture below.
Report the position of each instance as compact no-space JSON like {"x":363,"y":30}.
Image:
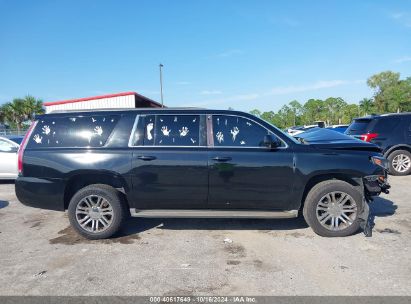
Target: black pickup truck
{"x":105,"y":165}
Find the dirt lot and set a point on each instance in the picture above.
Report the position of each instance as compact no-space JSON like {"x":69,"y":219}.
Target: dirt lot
{"x":41,"y":255}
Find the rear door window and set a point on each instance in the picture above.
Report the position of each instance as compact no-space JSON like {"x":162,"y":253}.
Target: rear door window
{"x":83,"y":131}
{"x":172,"y":130}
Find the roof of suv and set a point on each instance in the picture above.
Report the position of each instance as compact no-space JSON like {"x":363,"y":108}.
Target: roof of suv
{"x":140,"y":110}
{"x":384,"y":115}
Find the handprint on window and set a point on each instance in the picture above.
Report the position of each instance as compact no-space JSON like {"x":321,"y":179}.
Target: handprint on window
{"x":165,"y":131}
{"x":37,"y":138}
{"x":234,"y":132}
{"x":184,"y":131}
{"x":46,"y":130}
{"x":220,"y":137}
{"x":98,"y":130}
{"x":149,"y":128}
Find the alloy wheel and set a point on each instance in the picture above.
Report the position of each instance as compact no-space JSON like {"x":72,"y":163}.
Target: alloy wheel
{"x":336,"y":211}
{"x":94,"y":214}
{"x":401,"y":163}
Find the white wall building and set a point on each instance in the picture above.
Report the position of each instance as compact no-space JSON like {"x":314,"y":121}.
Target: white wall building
{"x":126,"y":100}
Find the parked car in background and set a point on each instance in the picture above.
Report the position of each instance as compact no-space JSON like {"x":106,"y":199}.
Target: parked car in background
{"x":338,"y":128}
{"x":298,"y":130}
{"x":392,"y":133}
{"x":102,"y":166}
{"x":8,"y":158}
{"x":15,"y":138}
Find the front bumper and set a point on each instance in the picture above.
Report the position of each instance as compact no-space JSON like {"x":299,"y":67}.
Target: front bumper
{"x":375,"y":184}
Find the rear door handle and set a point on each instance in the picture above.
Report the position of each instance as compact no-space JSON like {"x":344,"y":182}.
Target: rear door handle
{"x":146,"y":157}
{"x":221,"y":158}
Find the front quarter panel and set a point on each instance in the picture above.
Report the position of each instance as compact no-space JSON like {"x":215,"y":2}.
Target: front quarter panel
{"x":348,"y":165}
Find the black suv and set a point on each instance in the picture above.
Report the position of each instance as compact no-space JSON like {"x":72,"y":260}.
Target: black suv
{"x":103,"y":166}
{"x":392,"y":133}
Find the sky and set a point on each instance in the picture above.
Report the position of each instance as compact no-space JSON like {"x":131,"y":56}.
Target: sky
{"x":216,"y":54}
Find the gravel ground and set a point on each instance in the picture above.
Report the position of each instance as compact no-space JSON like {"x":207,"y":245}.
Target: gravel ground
{"x":41,"y":255}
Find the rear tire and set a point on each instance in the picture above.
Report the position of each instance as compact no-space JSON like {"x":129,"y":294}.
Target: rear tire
{"x":400,"y":162}
{"x":97,"y":211}
{"x":332,"y":207}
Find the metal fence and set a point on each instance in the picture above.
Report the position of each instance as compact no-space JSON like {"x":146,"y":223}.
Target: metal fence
{"x":11,"y":132}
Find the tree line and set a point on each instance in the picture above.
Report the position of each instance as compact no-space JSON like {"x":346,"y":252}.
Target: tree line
{"x":391,"y":94}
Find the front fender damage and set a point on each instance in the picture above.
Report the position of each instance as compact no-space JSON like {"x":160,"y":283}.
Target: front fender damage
{"x":372,"y":185}
{"x":366,"y":220}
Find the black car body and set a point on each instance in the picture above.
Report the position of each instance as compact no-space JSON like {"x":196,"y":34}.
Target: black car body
{"x":189,"y":163}
{"x":392,"y":133}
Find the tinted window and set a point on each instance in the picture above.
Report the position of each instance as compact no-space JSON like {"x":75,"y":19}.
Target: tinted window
{"x":231,"y":131}
{"x":17,"y":140}
{"x":6,"y":146}
{"x":137,"y":138}
{"x":386,"y":125}
{"x":89,"y":131}
{"x":358,"y":126}
{"x":172,"y":130}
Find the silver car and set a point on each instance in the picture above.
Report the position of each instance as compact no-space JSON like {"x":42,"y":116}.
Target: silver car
{"x":8,"y":158}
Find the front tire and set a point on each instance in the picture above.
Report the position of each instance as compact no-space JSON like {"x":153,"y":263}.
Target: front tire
{"x":97,"y":211}
{"x":400,"y":162}
{"x":332,"y":208}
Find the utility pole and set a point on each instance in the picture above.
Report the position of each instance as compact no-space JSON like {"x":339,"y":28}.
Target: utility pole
{"x":161,"y":84}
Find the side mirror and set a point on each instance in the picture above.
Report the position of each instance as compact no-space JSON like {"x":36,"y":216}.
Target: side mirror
{"x":271,"y":141}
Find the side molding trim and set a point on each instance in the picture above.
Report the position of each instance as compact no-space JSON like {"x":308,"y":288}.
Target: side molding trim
{"x":210,"y":213}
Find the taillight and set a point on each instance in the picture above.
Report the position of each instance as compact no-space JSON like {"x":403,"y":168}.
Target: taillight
{"x":368,"y":137}
{"x":23,"y":146}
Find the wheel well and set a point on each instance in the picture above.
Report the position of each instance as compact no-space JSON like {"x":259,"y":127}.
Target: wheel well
{"x":325,"y":177}
{"x":407,"y":148}
{"x":79,"y":181}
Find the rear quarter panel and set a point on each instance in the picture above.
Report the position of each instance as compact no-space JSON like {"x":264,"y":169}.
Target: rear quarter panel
{"x":46,"y":172}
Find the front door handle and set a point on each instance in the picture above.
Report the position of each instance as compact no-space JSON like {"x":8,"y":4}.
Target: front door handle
{"x":221,"y":158}
{"x":146,"y":157}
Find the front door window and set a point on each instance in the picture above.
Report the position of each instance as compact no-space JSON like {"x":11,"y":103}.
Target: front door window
{"x":235,"y":131}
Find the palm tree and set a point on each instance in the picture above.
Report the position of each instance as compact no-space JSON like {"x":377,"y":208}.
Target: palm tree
{"x":14,"y":112}
{"x":367,"y":105}
{"x":32,"y":106}
{"x":21,"y":110}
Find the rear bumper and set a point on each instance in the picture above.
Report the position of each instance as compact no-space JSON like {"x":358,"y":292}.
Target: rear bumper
{"x":40,"y":193}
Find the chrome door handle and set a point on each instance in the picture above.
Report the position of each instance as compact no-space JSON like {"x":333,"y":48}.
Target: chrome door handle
{"x":221,"y":159}
{"x":146,"y":158}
